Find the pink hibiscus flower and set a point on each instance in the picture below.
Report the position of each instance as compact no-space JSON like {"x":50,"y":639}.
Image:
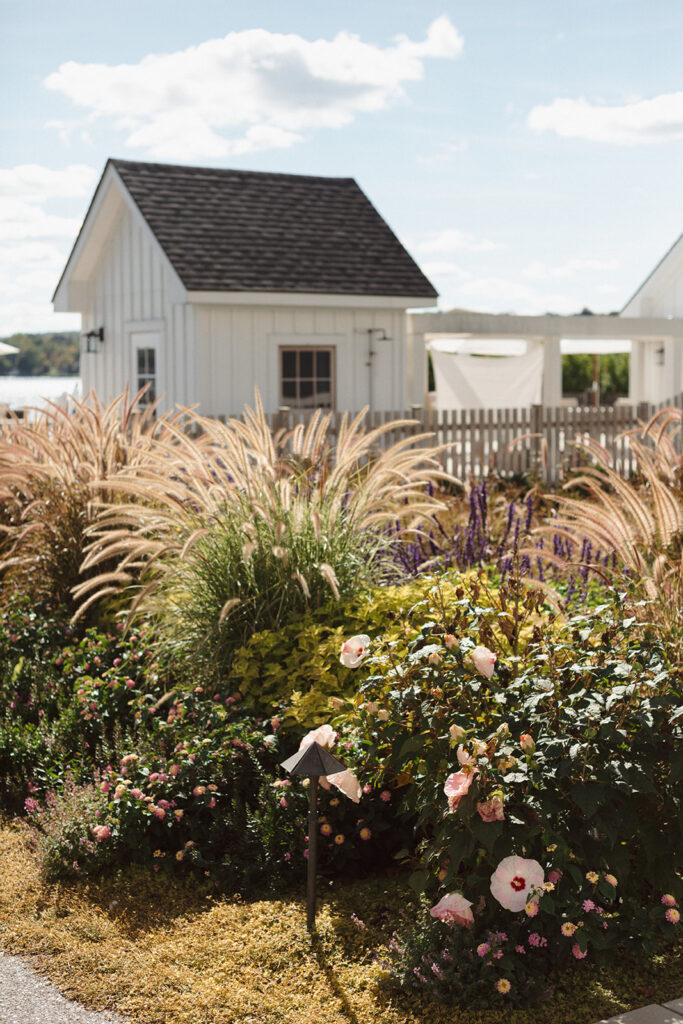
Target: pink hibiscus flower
{"x":453,"y":909}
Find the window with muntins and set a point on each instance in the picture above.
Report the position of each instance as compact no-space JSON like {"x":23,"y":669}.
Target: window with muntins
{"x":307,"y":378}
{"x":147,"y":374}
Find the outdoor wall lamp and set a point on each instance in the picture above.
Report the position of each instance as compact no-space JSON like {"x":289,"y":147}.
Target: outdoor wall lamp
{"x":93,"y":339}
{"x":659,"y":355}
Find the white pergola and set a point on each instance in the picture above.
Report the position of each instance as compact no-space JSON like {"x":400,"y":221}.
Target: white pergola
{"x":657,"y":354}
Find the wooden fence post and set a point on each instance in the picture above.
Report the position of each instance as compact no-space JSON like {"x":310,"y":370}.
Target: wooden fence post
{"x":537,"y":439}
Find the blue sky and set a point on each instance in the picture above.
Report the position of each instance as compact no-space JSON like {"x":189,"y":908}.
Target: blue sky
{"x":528,"y":154}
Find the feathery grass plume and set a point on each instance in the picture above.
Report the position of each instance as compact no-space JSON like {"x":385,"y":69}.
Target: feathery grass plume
{"x":638,"y":522}
{"x":236,"y":529}
{"x":54,"y":471}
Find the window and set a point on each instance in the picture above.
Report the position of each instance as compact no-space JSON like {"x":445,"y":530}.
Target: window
{"x":147,"y":374}
{"x":307,"y":378}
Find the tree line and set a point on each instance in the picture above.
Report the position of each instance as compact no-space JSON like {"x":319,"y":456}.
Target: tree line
{"x":42,"y":355}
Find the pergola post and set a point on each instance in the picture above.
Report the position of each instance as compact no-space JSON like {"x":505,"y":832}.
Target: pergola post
{"x":552,"y":372}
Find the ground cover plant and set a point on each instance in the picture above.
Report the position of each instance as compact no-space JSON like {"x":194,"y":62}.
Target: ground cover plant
{"x":162,"y":950}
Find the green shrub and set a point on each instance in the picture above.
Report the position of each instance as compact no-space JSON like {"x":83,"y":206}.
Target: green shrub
{"x":595,"y":792}
{"x":297,"y":669}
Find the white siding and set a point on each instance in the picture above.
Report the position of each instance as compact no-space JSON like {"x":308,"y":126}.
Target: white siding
{"x":131,"y":290}
{"x":238,"y":350}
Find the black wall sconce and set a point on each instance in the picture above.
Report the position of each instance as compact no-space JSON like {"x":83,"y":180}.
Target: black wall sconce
{"x":659,"y":355}
{"x":94,"y":339}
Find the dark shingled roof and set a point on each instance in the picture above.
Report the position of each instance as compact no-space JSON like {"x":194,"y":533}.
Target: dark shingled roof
{"x":241,"y":231}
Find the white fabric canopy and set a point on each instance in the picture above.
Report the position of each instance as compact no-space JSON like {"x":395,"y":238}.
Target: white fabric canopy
{"x":473,"y":382}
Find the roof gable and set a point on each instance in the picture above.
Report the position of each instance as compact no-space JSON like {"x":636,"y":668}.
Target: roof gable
{"x":242,"y":231}
{"x":670,"y":255}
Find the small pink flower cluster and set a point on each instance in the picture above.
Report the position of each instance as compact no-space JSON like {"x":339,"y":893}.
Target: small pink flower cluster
{"x":100,"y":832}
{"x":672,"y":914}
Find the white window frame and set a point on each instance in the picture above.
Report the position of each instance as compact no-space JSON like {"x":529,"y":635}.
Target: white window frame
{"x":144,"y":334}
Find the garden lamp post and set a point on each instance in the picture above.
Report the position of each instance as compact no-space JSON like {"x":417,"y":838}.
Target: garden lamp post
{"x":313,"y":761}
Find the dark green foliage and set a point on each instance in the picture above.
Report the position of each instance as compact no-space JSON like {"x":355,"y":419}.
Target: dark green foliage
{"x":577,"y":373}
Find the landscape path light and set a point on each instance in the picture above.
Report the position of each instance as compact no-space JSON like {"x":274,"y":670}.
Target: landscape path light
{"x":313,"y":761}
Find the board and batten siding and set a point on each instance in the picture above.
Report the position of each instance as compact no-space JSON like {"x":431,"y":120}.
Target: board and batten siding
{"x":131,"y":293}
{"x":238,"y":350}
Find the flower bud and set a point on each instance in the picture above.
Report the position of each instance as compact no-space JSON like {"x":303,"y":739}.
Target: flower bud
{"x":526,"y":743}
{"x":456,"y":733}
{"x":450,"y":641}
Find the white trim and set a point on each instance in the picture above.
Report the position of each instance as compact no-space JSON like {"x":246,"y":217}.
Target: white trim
{"x":503,"y":325}
{"x":110,"y":194}
{"x":307,"y":299}
{"x":157,"y":341}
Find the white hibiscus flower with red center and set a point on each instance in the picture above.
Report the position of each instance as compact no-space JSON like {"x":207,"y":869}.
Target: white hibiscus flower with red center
{"x":515,"y":881}
{"x":354,"y":650}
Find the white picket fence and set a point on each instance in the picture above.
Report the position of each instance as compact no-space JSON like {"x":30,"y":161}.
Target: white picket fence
{"x":512,"y":442}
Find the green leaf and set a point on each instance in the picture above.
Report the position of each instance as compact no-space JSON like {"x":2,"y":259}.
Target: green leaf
{"x":418,"y":881}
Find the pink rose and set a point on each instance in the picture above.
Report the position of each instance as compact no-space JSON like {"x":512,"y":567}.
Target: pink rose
{"x":453,"y":909}
{"x":483,"y":660}
{"x":456,"y":787}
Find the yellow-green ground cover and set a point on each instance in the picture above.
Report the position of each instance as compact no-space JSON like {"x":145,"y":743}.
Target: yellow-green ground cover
{"x":168,"y":952}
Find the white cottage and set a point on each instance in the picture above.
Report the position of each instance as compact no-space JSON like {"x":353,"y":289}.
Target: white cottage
{"x":657,"y":362}
{"x":206,"y":283}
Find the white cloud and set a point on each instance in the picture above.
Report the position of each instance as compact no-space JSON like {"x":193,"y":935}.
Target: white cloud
{"x":451,"y":240}
{"x":638,"y":121}
{"x":539,"y":271}
{"x":496,"y":294}
{"x":35,"y":242}
{"x":443,"y":154}
{"x":250,"y":90}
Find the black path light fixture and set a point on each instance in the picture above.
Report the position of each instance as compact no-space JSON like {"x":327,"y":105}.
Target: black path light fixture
{"x":313,"y":761}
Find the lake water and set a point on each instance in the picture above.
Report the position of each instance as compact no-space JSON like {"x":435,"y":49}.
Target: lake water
{"x":18,"y":392}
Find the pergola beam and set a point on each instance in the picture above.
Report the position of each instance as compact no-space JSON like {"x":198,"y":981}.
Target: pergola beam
{"x":504,"y":325}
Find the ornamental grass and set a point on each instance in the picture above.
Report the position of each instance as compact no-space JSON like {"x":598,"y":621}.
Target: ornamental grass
{"x":235,"y":529}
{"x":54,"y":469}
{"x":639,"y":521}
{"x":160,"y":951}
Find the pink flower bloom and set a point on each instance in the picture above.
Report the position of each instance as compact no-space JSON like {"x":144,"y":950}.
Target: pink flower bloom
{"x":367,"y":788}
{"x":347,"y":783}
{"x":324,"y":735}
{"x":365,"y":833}
{"x":178,"y":814}
{"x":484,"y":661}
{"x":212,"y":801}
{"x":463,"y":757}
{"x":154,"y":776}
{"x":354,"y":650}
{"x":130,"y":684}
{"x":520,"y":949}
{"x":588,"y":905}
{"x":339,"y":839}
{"x":576,"y":951}
{"x":668,"y":900}
{"x":611,"y":880}
{"x":568,"y":929}
{"x":104,"y":786}
{"x":163,"y":803}
{"x":483,"y":948}
{"x":326,"y":829}
{"x":456,"y":733}
{"x":531,"y":909}
{"x":283,"y":802}
{"x":30,"y":805}
{"x":672,"y":915}
{"x":385,"y":795}
{"x":137,"y":793}
{"x":503,"y":986}
{"x":456,"y":787}
{"x":174,"y":770}
{"x":555,"y":876}
{"x":199,"y":790}
{"x":453,"y":909}
{"x":101,"y":832}
{"x":527,"y":744}
{"x":450,"y":641}
{"x":513,"y":881}
{"x":491,"y":810}
{"x":159,"y":812}
{"x":534,"y":939}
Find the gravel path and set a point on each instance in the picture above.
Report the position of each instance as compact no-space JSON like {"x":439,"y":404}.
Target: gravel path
{"x":28,"y":998}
